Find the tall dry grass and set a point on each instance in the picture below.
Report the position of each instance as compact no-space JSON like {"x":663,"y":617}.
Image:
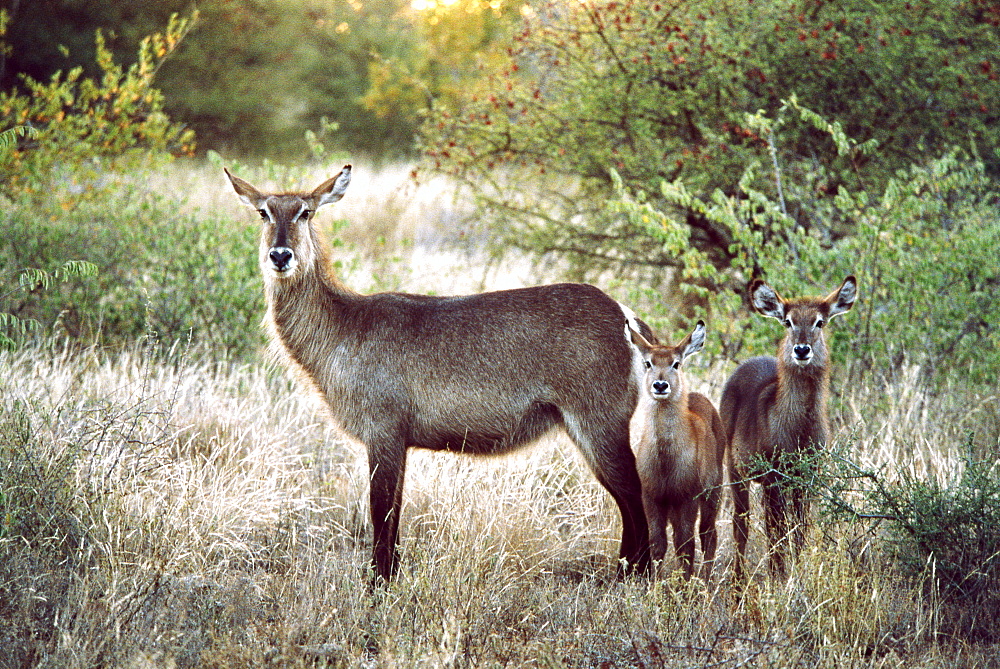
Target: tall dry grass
{"x":203,"y":515}
{"x":165,"y":509}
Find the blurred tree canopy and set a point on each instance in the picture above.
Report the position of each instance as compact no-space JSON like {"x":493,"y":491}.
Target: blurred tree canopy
{"x":254,"y":74}
{"x":664,"y":92}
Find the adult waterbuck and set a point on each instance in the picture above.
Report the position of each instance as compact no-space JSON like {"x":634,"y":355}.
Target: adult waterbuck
{"x":774,"y":411}
{"x":479,"y":374}
{"x":680,"y":445}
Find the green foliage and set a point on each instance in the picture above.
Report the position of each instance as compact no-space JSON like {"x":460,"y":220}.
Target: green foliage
{"x":286,"y":66}
{"x":451,"y":43}
{"x":945,"y":533}
{"x":927,"y":251}
{"x":77,"y":186}
{"x":159,"y":268}
{"x":670,"y":91}
{"x":31,"y":281}
{"x":8,"y":138}
{"x":115,"y":121}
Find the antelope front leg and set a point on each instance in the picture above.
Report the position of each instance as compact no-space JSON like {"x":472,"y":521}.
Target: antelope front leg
{"x":613,"y":463}
{"x":386,"y":471}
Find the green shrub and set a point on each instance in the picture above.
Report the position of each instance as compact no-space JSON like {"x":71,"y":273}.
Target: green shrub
{"x":114,"y":122}
{"x":179,"y":274}
{"x":942,"y":531}
{"x":76,"y":189}
{"x":661,"y":91}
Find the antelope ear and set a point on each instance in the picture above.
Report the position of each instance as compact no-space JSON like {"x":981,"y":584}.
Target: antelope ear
{"x":249,"y":195}
{"x":638,"y":340}
{"x":694,"y":341}
{"x":332,"y":190}
{"x":842,"y":300}
{"x":766,"y":300}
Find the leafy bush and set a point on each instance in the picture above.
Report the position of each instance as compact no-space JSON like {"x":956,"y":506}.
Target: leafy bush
{"x":77,"y":189}
{"x":115,"y":122}
{"x":31,"y":281}
{"x":661,"y":92}
{"x":179,"y":274}
{"x":942,"y":532}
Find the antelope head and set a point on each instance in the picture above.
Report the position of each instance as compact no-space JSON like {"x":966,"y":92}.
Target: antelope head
{"x":664,"y":379}
{"x":288,"y":240}
{"x":804,"y":318}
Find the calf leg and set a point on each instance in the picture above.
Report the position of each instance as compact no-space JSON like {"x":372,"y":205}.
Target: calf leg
{"x":683,"y":519}
{"x":741,"y":520}
{"x":706,"y":528}
{"x":800,"y":510}
{"x":776,"y":525}
{"x":657,"y":518}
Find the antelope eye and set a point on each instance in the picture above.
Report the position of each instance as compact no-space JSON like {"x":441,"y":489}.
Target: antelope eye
{"x":820,"y":323}
{"x":788,"y":322}
{"x":263,"y":213}
{"x":648,"y":364}
{"x":306,"y":213}
{"x":677,"y":364}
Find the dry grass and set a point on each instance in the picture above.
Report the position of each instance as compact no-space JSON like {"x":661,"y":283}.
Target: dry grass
{"x":220,"y":522}
{"x":162,"y":510}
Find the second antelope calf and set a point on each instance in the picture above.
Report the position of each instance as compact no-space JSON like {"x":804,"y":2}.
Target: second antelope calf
{"x":774,"y":410}
{"x":680,"y":446}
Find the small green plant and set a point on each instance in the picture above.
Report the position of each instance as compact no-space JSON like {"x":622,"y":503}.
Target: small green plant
{"x":942,"y":531}
{"x":30,"y":281}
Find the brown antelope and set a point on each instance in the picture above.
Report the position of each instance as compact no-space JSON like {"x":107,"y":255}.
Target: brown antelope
{"x":480,"y":374}
{"x":774,"y":410}
{"x":680,"y":446}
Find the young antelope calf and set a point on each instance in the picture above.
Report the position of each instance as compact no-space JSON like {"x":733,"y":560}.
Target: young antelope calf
{"x":774,"y":410}
{"x":680,"y":446}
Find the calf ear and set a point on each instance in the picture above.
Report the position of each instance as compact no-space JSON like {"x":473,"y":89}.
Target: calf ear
{"x":842,"y":299}
{"x":694,"y":341}
{"x":638,"y":340}
{"x":766,"y":300}
{"x":331,"y":190}
{"x":247,"y":193}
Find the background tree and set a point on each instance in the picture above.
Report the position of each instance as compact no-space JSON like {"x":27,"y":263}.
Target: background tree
{"x":666,"y":91}
{"x":253,"y":75}
{"x":452,"y":42}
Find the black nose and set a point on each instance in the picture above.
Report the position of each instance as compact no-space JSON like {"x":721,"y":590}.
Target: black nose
{"x":660,"y":387}
{"x":280,"y":257}
{"x":802,"y":351}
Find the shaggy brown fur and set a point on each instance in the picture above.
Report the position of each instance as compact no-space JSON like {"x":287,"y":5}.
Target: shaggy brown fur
{"x":774,"y":410}
{"x":480,"y":374}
